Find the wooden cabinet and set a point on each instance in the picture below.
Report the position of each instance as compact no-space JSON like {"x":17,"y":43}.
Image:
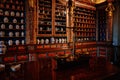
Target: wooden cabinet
{"x":44,"y":21}
{"x":85,"y":24}
{"x":44,"y":18}
{"x":102,"y":22}
{"x":12,"y":22}
{"x":51,"y":22}
{"x":60,"y":21}
{"x":102,"y":25}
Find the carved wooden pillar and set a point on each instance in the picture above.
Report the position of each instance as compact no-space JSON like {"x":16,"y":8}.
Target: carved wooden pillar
{"x":69,"y":12}
{"x":109,"y":29}
{"x":31,"y":22}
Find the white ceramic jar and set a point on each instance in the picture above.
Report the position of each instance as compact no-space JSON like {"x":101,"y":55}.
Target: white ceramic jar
{"x":42,"y":41}
{"x":10,"y":42}
{"x":2,"y":34}
{"x":22,"y":34}
{"x":46,"y":41}
{"x":17,"y":34}
{"x":10,"y":26}
{"x":17,"y":42}
{"x":14,"y":20}
{"x":2,"y":26}
{"x":2,"y":47}
{"x":22,"y":14}
{"x":22,"y":26}
{"x":60,"y":40}
{"x":38,"y":41}
{"x":5,"y":20}
{"x":10,"y":34}
{"x":56,"y":40}
{"x":23,"y":42}
{"x":52,"y":40}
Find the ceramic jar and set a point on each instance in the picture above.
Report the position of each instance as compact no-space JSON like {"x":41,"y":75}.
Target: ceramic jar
{"x":17,"y":26}
{"x":5,"y":20}
{"x":6,"y":13}
{"x":17,"y":14}
{"x":2,"y":47}
{"x":10,"y":34}
{"x":22,"y":34}
{"x":23,"y":42}
{"x":17,"y":34}
{"x":17,"y":42}
{"x":41,"y":28}
{"x":1,"y":12}
{"x":10,"y":26}
{"x":38,"y":41}
{"x":22,"y":14}
{"x":63,"y":40}
{"x":10,"y":42}
{"x":22,"y":21}
{"x":46,"y":41}
{"x":2,"y":26}
{"x":60,"y":40}
{"x":12,"y":13}
{"x":14,"y":20}
{"x":2,"y":34}
{"x":42,"y":41}
{"x":56,"y":40}
{"x":52,"y":40}
{"x":22,"y":26}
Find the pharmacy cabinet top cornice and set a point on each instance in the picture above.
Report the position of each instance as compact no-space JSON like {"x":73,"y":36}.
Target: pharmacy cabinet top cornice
{"x":84,"y":5}
{"x":81,"y":3}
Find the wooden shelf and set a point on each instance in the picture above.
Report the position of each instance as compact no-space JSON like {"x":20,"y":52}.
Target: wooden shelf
{"x":84,"y":20}
{"x":12,"y":13}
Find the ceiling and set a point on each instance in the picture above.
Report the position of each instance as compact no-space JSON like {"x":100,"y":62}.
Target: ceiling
{"x":98,"y":1}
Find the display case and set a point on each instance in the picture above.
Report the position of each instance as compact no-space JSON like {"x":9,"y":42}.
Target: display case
{"x":85,"y":24}
{"x":101,"y":18}
{"x":51,"y":22}
{"x":12,"y":22}
{"x":44,"y":31}
{"x":60,"y":22}
{"x":102,"y":25}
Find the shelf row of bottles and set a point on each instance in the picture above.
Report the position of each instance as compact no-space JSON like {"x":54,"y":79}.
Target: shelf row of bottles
{"x":102,"y":25}
{"x":12,"y":22}
{"x":15,"y":2}
{"x":44,"y":2}
{"x":83,"y":16}
{"x":81,"y":25}
{"x":44,"y":17}
{"x":8,"y":6}
{"x":11,"y":13}
{"x":51,"y":40}
{"x":7,"y":27}
{"x":13,"y":41}
{"x":85,"y":23}
{"x":85,"y":38}
{"x":86,"y":30}
{"x":84,"y":34}
{"x":12,"y":34}
{"x":60,"y":18}
{"x":84,"y":10}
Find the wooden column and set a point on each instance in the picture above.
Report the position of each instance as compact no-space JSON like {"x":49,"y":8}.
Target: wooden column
{"x":31,"y":22}
{"x":53,"y":17}
{"x":109,"y":29}
{"x":70,"y":25}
